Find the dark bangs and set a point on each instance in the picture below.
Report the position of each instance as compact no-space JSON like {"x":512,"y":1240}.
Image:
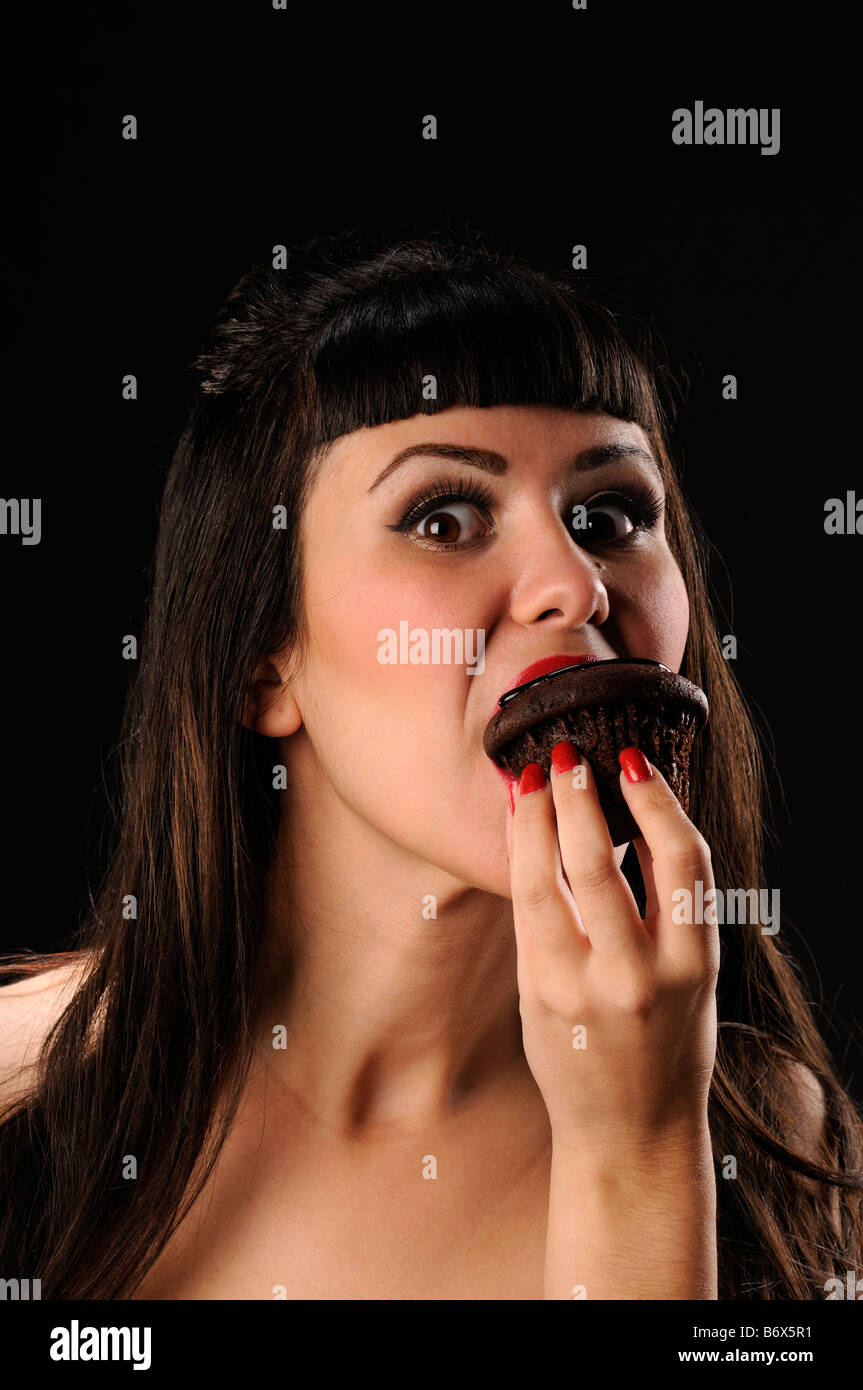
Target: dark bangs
{"x":488,"y":335}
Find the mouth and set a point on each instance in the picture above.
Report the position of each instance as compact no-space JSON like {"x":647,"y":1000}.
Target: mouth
{"x":538,"y":669}
{"x":601,"y":706}
{"x":535,"y":672}
{"x":541,"y":671}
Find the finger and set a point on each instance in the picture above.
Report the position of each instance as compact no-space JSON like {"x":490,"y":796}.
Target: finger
{"x":606,"y":906}
{"x":540,"y":896}
{"x":681,"y":860}
{"x":645,"y":861}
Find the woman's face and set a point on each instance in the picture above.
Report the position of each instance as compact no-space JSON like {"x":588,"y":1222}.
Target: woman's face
{"x":510,"y":572}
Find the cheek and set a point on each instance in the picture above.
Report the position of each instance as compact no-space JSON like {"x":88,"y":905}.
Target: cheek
{"x":392,"y":738}
{"x":674,"y":610}
{"x":364,"y":621}
{"x":655,"y":618}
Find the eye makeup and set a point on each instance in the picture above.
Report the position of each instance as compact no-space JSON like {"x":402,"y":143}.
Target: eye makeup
{"x":643,"y":503}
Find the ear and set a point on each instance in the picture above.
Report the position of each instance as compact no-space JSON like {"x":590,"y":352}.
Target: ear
{"x":270,"y":707}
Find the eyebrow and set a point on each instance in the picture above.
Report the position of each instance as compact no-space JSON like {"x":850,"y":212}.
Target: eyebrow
{"x":490,"y":462}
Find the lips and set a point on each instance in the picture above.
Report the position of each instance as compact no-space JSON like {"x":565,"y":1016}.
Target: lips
{"x":545,"y":666}
{"x":601,"y":706}
{"x":550,"y":663}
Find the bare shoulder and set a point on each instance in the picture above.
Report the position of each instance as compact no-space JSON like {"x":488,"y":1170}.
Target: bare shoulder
{"x":804,"y":1097}
{"x":808,"y":1110}
{"x":28,"y":1009}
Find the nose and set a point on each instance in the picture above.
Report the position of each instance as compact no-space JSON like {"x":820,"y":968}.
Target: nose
{"x":558,"y":581}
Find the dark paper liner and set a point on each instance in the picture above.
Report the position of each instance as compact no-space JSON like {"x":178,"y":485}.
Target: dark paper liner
{"x":662,"y":730}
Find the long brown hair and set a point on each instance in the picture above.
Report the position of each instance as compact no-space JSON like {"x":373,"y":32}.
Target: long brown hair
{"x":151,"y":1055}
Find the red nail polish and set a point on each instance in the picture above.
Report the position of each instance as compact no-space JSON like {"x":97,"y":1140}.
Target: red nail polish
{"x":510,"y":791}
{"x":532,"y":779}
{"x":565,"y":756}
{"x":635,"y":765}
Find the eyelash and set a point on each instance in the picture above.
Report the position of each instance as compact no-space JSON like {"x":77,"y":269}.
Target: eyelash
{"x":645,"y":507}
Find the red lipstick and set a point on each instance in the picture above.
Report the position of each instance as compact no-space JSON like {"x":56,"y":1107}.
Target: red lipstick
{"x":550,"y":663}
{"x":533,"y":672}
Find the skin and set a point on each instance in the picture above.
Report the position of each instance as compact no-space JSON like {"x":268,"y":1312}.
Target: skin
{"x":404,"y":1029}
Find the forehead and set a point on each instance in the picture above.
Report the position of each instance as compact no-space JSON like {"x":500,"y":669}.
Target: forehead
{"x":526,"y":433}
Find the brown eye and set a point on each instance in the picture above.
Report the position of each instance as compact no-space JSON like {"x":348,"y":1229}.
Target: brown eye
{"x":443,"y":526}
{"x":607,"y":521}
{"x":449,"y":515}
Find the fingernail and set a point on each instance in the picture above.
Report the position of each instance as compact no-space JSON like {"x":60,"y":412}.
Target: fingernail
{"x":635,"y":765}
{"x":565,"y":756}
{"x":532,"y":779}
{"x":510,"y":791}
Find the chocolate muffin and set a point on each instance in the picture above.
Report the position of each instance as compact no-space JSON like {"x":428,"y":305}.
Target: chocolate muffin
{"x":602,"y":708}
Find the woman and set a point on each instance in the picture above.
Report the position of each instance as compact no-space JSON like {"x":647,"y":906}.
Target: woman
{"x":319,"y":1037}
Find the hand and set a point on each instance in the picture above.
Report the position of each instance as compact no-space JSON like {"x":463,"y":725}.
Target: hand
{"x":643,"y":991}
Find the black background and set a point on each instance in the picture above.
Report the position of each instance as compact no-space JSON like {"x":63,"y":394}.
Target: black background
{"x":258,"y":127}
